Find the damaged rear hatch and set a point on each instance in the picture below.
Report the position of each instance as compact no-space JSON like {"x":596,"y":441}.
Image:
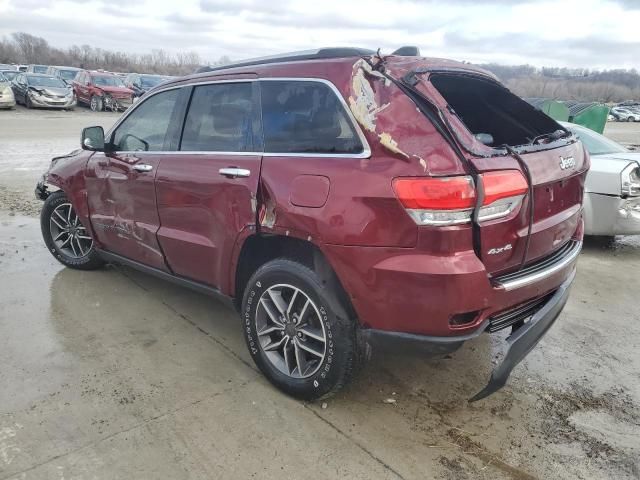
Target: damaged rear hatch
{"x":498,"y":132}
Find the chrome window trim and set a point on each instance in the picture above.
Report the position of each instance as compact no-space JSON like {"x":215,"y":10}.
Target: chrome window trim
{"x":366,"y":149}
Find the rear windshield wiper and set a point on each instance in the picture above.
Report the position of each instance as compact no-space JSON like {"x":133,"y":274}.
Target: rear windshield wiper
{"x":553,"y":136}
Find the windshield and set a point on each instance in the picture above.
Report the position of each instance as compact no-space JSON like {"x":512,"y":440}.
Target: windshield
{"x":595,"y":143}
{"x":10,"y":75}
{"x":151,"y":81}
{"x":106,"y":81}
{"x":37,"y":81}
{"x":39,"y":69}
{"x":68,"y":74}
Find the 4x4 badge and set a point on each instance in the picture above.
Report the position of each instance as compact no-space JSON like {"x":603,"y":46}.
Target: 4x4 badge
{"x":567,"y":162}
{"x":495,"y":251}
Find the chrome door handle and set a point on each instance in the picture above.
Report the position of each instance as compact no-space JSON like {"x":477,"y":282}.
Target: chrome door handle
{"x":234,"y":172}
{"x":142,"y":167}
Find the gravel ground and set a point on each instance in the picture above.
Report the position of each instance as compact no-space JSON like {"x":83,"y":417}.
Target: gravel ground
{"x":114,"y":374}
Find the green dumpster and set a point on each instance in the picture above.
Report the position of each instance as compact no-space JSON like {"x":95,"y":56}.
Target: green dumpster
{"x":591,"y":115}
{"x":556,"y":110}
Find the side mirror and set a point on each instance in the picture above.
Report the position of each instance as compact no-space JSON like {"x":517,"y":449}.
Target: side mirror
{"x":92,"y":139}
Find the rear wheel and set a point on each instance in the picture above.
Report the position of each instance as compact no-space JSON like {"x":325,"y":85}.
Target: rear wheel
{"x":27,"y":101}
{"x":65,"y":236}
{"x":297,"y":332}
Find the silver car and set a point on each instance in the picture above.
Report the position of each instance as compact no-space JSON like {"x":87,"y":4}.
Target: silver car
{"x":612,"y":189}
{"x":6,"y":93}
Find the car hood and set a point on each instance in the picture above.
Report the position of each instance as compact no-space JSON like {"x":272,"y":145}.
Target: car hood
{"x":52,"y":90}
{"x":116,"y":91}
{"x":604,"y":174}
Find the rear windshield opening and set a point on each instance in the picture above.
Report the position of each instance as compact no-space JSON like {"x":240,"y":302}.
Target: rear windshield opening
{"x":492,"y":113}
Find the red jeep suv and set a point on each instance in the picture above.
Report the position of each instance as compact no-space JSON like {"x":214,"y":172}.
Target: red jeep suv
{"x":338,"y":199}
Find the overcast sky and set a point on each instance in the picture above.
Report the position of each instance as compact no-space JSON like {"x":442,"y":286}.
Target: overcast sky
{"x":589,"y":33}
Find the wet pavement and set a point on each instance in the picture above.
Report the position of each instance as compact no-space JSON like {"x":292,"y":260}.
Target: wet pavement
{"x":114,"y":374}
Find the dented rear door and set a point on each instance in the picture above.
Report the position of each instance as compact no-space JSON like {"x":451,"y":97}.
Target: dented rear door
{"x":207,"y":190}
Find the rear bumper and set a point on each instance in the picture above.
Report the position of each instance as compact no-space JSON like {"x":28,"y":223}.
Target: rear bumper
{"x":611,"y":215}
{"x":523,"y":338}
{"x":401,"y":290}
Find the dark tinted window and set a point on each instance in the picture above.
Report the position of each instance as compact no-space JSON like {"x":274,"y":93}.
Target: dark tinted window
{"x":146,"y":127}
{"x":220,"y":119}
{"x":305,"y":117}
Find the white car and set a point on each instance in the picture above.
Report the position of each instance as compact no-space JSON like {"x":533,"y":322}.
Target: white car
{"x":612,"y":188}
{"x":625,"y":114}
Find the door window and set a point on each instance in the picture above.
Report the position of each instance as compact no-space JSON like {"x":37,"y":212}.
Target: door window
{"x":305,"y":117}
{"x":221,"y":118}
{"x":145,"y":128}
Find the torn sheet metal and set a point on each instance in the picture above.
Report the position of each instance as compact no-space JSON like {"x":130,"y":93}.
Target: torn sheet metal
{"x":370,"y":95}
{"x":390,"y":144}
{"x":363,"y":102}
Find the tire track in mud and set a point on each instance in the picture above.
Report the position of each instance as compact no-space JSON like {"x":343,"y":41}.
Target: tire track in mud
{"x":553,"y":424}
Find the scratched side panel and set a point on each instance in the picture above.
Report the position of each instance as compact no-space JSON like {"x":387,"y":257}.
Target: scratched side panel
{"x":361,"y":208}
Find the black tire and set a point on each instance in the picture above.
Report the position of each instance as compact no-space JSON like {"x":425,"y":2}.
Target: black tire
{"x":601,"y":241}
{"x":27,"y":101}
{"x":95,"y":104}
{"x":341,"y":351}
{"x":86,"y":260}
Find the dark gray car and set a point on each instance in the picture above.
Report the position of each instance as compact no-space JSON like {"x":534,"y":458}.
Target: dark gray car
{"x":37,"y":90}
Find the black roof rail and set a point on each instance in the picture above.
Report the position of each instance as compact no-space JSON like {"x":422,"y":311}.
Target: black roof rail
{"x":318,"y":54}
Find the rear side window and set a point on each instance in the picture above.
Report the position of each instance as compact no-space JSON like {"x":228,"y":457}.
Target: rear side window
{"x":221,"y":118}
{"x":305,"y":117}
{"x":145,"y":128}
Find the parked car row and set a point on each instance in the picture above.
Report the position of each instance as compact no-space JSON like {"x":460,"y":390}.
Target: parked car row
{"x":64,"y":87}
{"x":627,"y":113}
{"x":97,"y":89}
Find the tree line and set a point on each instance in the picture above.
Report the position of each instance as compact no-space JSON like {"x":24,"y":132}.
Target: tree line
{"x":24,"y":48}
{"x":579,"y":84}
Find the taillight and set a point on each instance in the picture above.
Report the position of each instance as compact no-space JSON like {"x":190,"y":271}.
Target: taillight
{"x":451,"y":200}
{"x":503,"y":193}
{"x":437,"y":200}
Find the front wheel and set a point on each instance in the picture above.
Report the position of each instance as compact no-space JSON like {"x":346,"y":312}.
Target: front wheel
{"x":96,"y":103}
{"x":27,"y":102}
{"x":65,"y":236}
{"x":297,"y":331}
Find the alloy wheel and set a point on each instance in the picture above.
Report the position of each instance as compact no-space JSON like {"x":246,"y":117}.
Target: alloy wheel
{"x":68,"y":234}
{"x":290,"y":331}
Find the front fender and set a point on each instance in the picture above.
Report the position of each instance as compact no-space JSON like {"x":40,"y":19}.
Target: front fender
{"x":66,"y":173}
